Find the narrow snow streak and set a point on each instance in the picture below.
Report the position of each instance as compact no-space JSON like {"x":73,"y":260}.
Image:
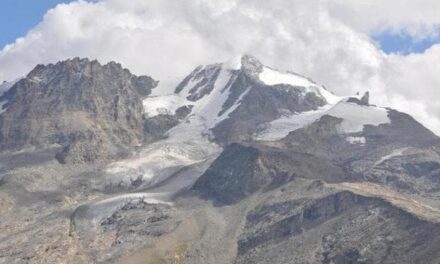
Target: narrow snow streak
{"x":2,"y":104}
{"x":394,"y":153}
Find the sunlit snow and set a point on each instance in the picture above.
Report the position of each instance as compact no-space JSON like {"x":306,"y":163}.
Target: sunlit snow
{"x":354,"y":116}
{"x":273,"y":77}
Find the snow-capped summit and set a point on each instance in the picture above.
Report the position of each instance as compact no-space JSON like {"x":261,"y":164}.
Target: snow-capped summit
{"x":215,"y":91}
{"x":243,"y":98}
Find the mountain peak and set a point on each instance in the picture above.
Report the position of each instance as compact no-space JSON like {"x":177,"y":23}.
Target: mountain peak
{"x":76,"y":64}
{"x":244,"y":62}
{"x":80,"y":101}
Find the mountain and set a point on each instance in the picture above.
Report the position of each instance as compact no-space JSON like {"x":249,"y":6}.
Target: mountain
{"x":91,"y":110}
{"x":241,"y":163}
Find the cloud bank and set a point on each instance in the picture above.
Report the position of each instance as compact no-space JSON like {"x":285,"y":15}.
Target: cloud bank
{"x":323,"y":39}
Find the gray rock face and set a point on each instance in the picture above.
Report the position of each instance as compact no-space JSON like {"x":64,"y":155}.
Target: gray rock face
{"x":365,"y":99}
{"x":206,"y":79}
{"x":93,"y":111}
{"x":337,"y":228}
{"x":243,"y":176}
{"x":241,"y":171}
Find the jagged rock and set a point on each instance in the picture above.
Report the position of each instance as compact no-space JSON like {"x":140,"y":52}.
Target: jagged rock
{"x":156,"y":126}
{"x":79,"y":105}
{"x":338,"y":228}
{"x":365,"y":100}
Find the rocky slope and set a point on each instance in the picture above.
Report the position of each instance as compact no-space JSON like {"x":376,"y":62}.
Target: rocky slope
{"x":92,"y":111}
{"x":240,"y":164}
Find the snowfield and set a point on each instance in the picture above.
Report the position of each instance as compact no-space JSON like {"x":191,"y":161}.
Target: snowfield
{"x":164,"y":105}
{"x":273,"y":77}
{"x":354,"y":116}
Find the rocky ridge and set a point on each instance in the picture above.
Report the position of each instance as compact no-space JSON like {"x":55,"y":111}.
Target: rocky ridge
{"x":91,"y":111}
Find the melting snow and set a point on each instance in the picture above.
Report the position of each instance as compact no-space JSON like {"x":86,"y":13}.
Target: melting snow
{"x":162,"y":159}
{"x":165,"y":104}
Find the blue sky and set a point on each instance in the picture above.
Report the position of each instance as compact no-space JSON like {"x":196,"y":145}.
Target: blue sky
{"x":18,"y":16}
{"x":403,"y":43}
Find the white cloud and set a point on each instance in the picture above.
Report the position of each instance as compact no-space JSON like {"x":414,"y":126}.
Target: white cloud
{"x":417,"y":18}
{"x":326,"y":40}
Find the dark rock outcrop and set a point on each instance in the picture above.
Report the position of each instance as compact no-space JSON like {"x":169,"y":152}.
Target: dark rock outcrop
{"x":241,"y":171}
{"x":93,"y":111}
{"x":337,"y":228}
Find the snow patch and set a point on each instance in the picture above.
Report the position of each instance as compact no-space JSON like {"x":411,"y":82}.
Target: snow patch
{"x":35,"y":79}
{"x":356,"y":116}
{"x":2,"y":106}
{"x":356,"y":140}
{"x":149,"y":198}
